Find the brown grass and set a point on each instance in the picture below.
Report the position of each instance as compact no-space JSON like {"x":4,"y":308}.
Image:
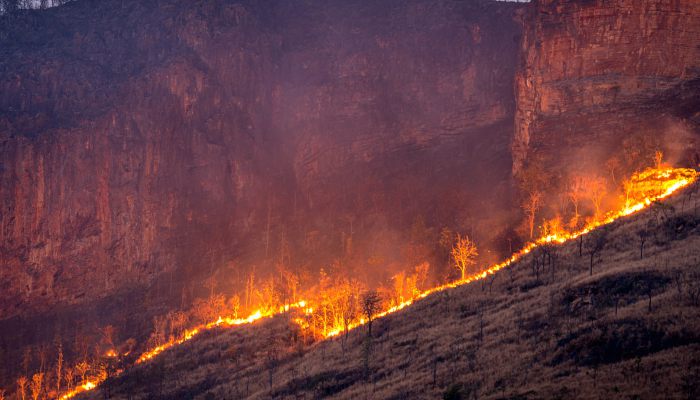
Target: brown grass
{"x":568,"y":335}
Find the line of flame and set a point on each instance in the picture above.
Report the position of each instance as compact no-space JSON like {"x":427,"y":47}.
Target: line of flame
{"x":189,"y":334}
{"x":690,"y":176}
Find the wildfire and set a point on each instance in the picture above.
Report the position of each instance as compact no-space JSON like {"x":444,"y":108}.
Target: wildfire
{"x":187,"y":335}
{"x":642,"y":190}
{"x":221,"y":321}
{"x":89,"y":385}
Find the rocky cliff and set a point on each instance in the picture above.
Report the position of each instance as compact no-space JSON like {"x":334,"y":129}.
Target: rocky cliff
{"x":601,"y":78}
{"x":178,"y":139}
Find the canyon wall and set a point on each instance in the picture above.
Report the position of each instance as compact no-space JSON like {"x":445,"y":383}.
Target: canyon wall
{"x":602,"y":80}
{"x":146,"y":143}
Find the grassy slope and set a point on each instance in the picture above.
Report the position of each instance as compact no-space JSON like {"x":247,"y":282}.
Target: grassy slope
{"x":559,"y":337}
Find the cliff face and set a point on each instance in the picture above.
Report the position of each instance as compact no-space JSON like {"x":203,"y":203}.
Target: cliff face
{"x":139,"y":138}
{"x":595,"y":74}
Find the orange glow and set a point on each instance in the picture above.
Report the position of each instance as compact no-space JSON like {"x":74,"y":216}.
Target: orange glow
{"x":187,"y":335}
{"x":641,"y":190}
{"x":89,"y":385}
{"x":221,"y":321}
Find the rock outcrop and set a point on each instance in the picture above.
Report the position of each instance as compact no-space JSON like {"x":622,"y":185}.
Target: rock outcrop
{"x":598,"y":76}
{"x":176,"y":139}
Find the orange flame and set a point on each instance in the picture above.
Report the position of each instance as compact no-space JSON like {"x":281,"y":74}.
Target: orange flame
{"x":645,"y":188}
{"x":642,"y":190}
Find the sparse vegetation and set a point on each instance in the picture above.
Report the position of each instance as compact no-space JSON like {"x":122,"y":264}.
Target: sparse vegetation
{"x":587,"y":333}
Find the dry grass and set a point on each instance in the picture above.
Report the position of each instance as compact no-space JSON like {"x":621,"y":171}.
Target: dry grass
{"x":568,"y":335}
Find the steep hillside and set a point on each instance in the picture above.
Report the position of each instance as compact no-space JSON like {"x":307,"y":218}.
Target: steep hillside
{"x":547,"y":327}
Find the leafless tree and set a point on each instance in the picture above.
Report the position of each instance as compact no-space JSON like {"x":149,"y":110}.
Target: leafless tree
{"x":597,"y":241}
{"x":370,"y":306}
{"x":595,"y":189}
{"x":464,"y":253}
{"x":59,"y":368}
{"x":22,"y":388}
{"x":37,"y":385}
{"x":536,"y":266}
{"x":643,"y":236}
{"x":349,"y":314}
{"x":81,"y":369}
{"x":70,"y":377}
{"x":575,"y":192}
{"x":531,"y":205}
{"x":271,"y":362}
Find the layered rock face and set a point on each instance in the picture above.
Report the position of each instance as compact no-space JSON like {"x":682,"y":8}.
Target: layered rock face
{"x":597,"y":76}
{"x":186,"y":138}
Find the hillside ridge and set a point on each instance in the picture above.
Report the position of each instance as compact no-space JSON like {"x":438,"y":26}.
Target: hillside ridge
{"x":632,"y":320}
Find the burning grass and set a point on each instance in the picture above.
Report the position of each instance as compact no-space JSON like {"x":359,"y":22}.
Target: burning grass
{"x":329,"y":316}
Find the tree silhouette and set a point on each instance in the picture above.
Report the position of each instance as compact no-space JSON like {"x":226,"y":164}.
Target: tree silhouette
{"x":370,"y":306}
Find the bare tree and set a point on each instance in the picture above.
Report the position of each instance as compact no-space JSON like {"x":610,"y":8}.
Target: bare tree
{"x":107,"y":336}
{"x":70,"y":377}
{"x":613,"y":165}
{"x":81,"y":369}
{"x":370,"y":306}
{"x":59,"y":368}
{"x":575,"y":192}
{"x":595,"y":188}
{"x":532,"y":179}
{"x":271,"y":362}
{"x":290,"y":284}
{"x":535,"y":265}
{"x":37,"y":385}
{"x":249,"y":290}
{"x":349,"y":313}
{"x":532,"y":204}
{"x":597,"y":241}
{"x":22,"y":387}
{"x":463,"y":253}
{"x":643,"y":236}
{"x":549,"y":256}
